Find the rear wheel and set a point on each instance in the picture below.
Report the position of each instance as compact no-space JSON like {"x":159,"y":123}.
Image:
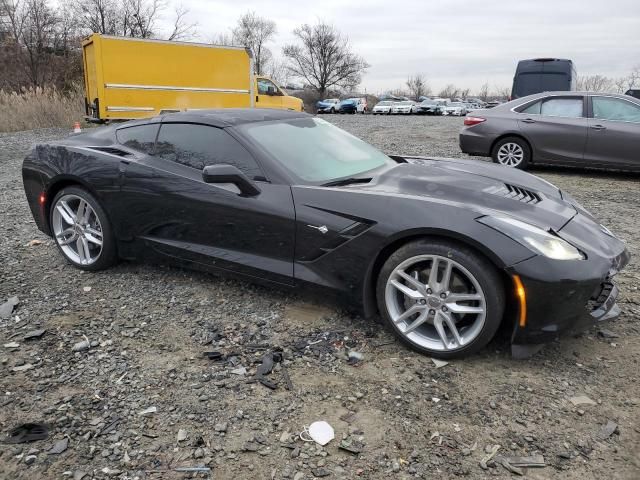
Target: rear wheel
{"x":512,"y":152}
{"x":441,"y":299}
{"x":82,"y":230}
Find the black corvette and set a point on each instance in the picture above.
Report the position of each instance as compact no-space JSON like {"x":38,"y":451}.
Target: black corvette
{"x":443,"y":250}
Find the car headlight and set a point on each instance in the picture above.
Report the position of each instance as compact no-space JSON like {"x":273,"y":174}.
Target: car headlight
{"x":537,"y":239}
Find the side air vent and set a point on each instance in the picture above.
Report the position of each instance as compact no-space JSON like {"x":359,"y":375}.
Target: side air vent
{"x":518,"y":193}
{"x":112,"y":151}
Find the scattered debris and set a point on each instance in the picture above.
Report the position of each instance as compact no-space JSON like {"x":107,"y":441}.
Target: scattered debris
{"x":528,"y":461}
{"x":34,"y":242}
{"x":348,"y":417}
{"x":148,"y":411}
{"x":490,"y":453}
{"x":352,"y":446}
{"x":6,"y":309}
{"x":605,"y":333}
{"x":354,"y":358}
{"x":22,"y":368}
{"x":182,"y":435}
{"x":27,"y":432}
{"x":86,"y":289}
{"x":192,"y":469}
{"x":221,"y":427}
{"x":33,"y":334}
{"x":239,"y":371}
{"x":59,"y":447}
{"x":215,"y":356}
{"x":83,"y":345}
{"x":582,"y":400}
{"x":439,"y":363}
{"x":12,"y":345}
{"x":606,"y":431}
{"x":320,"y":432}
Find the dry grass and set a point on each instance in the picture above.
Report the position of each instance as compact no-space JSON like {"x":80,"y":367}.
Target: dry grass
{"x":40,"y":108}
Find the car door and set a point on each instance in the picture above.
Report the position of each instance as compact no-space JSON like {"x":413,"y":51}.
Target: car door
{"x":556,"y":127}
{"x":172,"y":212}
{"x":269,"y":95}
{"x":614,"y":133}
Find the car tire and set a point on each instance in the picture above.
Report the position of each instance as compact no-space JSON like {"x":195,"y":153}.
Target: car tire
{"x":469,"y":271}
{"x":79,"y":245}
{"x":513,"y":152}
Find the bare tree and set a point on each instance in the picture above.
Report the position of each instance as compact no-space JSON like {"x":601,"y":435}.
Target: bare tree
{"x":323,"y":58}
{"x":221,"y":39}
{"x":255,"y":32}
{"x":277,"y":71}
{"x":464,"y":93}
{"x":450,"y":91}
{"x":594,"y":83}
{"x":130,"y":18}
{"x":483,"y":93}
{"x":417,"y":85}
{"x":502,"y":93}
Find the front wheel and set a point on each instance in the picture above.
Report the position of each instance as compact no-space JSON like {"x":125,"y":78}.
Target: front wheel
{"x":440,"y":298}
{"x":82,"y":230}
{"x":512,"y":152}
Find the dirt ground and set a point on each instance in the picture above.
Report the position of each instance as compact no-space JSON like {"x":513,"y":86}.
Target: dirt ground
{"x":143,"y":401}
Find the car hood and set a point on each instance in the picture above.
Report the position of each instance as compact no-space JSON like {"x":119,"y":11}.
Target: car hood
{"x":480,"y":186}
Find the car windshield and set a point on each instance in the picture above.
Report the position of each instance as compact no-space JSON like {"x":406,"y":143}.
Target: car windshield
{"x":456,"y":104}
{"x":428,"y":102}
{"x":405,"y":103}
{"x":384,"y":104}
{"x":314,"y":150}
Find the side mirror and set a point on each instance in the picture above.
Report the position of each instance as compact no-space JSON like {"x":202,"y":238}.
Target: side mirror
{"x":224,"y":173}
{"x":271,"y":91}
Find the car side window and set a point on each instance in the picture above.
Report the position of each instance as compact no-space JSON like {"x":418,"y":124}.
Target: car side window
{"x":609,"y":108}
{"x":562,"y":107}
{"x":263,"y":87}
{"x":140,"y":137}
{"x":198,"y":146}
{"x":533,"y":109}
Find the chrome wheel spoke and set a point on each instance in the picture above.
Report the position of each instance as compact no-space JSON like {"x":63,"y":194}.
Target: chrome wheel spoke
{"x":418,"y":321}
{"x":66,"y":236}
{"x":411,"y":311}
{"x":455,"y":308}
{"x":94,"y":236}
{"x":413,"y":294}
{"x":413,"y":281}
{"x":451,"y":325}
{"x":463,"y":297}
{"x":433,"y":273}
{"x":66,"y":213}
{"x":442,"y":334}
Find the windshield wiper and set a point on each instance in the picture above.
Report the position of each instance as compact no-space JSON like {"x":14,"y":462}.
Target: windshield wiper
{"x":347,"y":181}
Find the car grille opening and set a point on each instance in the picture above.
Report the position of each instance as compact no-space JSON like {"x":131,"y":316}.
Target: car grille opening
{"x":600,"y":295}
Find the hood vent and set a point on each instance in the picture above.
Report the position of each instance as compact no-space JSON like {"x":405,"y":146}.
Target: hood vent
{"x":518,"y":193}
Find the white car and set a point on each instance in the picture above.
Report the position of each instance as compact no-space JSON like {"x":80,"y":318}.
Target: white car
{"x":406,"y":107}
{"x":456,"y":108}
{"x":382,"y":108}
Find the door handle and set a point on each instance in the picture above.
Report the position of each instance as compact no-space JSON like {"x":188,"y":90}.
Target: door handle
{"x":598,"y":127}
{"x":528,"y":120}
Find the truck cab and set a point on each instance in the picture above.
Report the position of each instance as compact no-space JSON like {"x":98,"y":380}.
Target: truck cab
{"x":270,"y":95}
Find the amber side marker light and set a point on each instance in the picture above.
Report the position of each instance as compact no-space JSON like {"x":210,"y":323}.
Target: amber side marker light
{"x":522,"y":300}
{"x":42,"y":198}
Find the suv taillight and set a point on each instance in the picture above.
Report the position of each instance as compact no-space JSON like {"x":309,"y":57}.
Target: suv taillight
{"x":471,"y":121}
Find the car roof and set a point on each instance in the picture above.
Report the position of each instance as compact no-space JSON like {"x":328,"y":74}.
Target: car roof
{"x":226,"y":117}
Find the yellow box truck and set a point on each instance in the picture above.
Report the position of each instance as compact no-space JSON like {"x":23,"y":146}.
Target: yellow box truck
{"x":129,"y":78}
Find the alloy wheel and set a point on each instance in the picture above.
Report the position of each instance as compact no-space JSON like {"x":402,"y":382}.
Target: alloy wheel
{"x":435,"y":302}
{"x":510,"y":154}
{"x":77,"y":229}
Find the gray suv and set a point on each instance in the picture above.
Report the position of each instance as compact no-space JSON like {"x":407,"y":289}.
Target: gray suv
{"x":583,"y":129}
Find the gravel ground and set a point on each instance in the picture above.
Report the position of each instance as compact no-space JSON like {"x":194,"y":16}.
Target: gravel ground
{"x":142,"y":400}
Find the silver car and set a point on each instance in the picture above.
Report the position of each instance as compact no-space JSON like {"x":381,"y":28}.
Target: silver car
{"x":600,"y":130}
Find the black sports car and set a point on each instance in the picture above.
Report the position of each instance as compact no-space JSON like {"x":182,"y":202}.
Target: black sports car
{"x":444,"y":250}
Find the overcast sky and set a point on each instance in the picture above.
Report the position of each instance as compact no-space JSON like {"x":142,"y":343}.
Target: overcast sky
{"x":463,"y":42}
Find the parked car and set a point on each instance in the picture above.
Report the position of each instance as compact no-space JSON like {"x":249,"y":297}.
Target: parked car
{"x":634,"y":92}
{"x":406,"y":107}
{"x":328,"y":105}
{"x":350,"y":105}
{"x":543,"y":75}
{"x":562,"y":128}
{"x":492,"y":104}
{"x":382,"y":108}
{"x":361,"y":105}
{"x":456,"y":108}
{"x":291,"y":200}
{"x":430,"y":107}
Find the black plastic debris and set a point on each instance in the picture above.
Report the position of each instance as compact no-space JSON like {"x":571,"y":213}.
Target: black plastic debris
{"x":34,"y":334}
{"x":27,"y":432}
